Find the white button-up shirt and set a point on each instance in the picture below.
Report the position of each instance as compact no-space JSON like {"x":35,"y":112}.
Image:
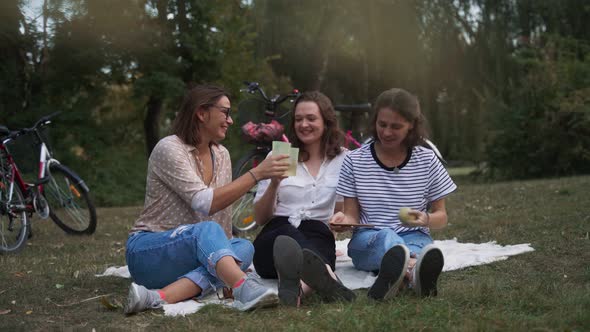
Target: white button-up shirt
{"x":304,"y":197}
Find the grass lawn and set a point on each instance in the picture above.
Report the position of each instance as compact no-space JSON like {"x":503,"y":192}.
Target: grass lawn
{"x":51,"y":283}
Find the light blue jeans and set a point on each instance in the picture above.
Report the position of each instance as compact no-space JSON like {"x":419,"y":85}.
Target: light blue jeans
{"x":157,"y":259}
{"x":367,"y":246}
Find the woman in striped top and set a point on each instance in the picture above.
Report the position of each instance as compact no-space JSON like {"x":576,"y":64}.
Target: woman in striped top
{"x":381,"y":178}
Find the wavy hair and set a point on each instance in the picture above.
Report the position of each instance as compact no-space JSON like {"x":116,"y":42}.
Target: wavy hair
{"x":332,"y":138}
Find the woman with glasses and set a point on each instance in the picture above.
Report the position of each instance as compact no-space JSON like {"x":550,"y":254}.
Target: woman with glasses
{"x":181,"y":245}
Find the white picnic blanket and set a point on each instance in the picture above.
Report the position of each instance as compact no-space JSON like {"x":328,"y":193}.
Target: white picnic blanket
{"x":457,"y":256}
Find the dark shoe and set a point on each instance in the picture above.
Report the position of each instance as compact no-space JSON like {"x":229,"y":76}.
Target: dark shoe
{"x":427,"y":270}
{"x":288,"y":261}
{"x":315,"y":274}
{"x":393,"y":269}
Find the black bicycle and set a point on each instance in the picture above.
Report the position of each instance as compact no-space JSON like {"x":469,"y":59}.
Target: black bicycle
{"x":58,"y":192}
{"x":267,"y":118}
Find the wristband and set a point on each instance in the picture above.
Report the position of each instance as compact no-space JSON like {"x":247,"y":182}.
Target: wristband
{"x":253,"y":176}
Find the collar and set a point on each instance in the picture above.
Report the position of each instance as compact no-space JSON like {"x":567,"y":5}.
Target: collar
{"x":190,"y":148}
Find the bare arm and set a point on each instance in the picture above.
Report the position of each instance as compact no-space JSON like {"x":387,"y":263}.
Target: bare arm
{"x":271,"y":167}
{"x":349,"y":215}
{"x":435,"y":219}
{"x":438,"y":215}
{"x":264,"y":209}
{"x":338,"y":207}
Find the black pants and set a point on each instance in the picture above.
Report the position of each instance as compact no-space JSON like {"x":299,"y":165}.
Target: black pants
{"x":311,"y":234}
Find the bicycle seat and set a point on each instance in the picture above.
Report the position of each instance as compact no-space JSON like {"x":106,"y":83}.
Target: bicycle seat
{"x":4,"y":131}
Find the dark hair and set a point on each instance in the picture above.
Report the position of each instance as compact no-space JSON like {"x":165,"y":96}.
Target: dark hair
{"x":332,"y":138}
{"x":185,"y":124}
{"x":406,"y":105}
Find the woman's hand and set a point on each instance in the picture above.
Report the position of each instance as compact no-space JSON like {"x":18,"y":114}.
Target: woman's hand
{"x":272,"y":167}
{"x":338,"y":218}
{"x":417,"y":219}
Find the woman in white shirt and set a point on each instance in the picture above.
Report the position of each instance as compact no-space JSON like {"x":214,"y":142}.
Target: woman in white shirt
{"x":296,"y":245}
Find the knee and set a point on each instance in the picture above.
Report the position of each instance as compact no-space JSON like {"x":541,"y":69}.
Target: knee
{"x":386,"y":239}
{"x":244,"y":250}
{"x":208,"y":228}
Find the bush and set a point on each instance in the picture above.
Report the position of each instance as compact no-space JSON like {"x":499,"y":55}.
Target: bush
{"x":545,"y":128}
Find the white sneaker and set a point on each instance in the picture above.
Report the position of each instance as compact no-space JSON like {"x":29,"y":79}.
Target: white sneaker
{"x":141,"y":298}
{"x":251,"y":294}
{"x":427,"y":270}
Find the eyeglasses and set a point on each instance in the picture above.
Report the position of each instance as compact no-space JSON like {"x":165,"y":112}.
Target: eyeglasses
{"x":225,"y":110}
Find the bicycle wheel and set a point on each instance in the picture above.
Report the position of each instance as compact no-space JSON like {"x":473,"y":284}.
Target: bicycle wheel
{"x":243,"y":208}
{"x":14,"y":223}
{"x":70,"y":206}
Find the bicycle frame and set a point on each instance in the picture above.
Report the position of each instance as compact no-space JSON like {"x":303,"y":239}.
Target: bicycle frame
{"x":14,"y":176}
{"x":45,"y":160}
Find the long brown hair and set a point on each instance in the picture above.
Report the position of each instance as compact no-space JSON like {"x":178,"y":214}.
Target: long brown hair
{"x":332,"y":138}
{"x":406,"y":105}
{"x":186,"y":125}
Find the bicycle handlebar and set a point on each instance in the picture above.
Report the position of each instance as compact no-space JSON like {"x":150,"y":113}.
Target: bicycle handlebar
{"x":43,"y":121}
{"x":366,"y":107}
{"x":253,"y":87}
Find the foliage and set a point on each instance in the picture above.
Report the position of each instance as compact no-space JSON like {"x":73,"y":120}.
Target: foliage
{"x":544,"y":128}
{"x":479,"y":68}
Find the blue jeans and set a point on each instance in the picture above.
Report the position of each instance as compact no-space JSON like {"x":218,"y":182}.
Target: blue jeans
{"x":367,"y":246}
{"x":157,"y":259}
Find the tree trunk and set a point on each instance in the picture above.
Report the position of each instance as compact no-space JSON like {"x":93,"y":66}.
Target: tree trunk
{"x":151,"y":123}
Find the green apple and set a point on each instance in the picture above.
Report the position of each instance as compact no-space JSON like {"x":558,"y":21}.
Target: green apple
{"x":405,"y":216}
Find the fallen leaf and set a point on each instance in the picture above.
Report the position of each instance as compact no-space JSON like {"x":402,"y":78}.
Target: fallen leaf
{"x":59,"y":286}
{"x":19,"y":274}
{"x":111,"y":305}
{"x":29,"y":312}
{"x":76,"y":274}
{"x":4,"y":312}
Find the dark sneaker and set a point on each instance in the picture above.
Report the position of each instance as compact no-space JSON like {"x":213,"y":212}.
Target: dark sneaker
{"x":141,"y":298}
{"x":251,"y":294}
{"x":288,"y":260}
{"x":427,"y":270}
{"x":391,"y":274}
{"x":315,"y":274}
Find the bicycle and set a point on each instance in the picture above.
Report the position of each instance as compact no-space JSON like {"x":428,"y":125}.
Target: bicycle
{"x":268,"y":129}
{"x":58,"y":192}
{"x":243,"y":209}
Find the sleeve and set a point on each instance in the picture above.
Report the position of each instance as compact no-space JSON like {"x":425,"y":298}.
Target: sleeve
{"x":202,"y":200}
{"x":171,"y":164}
{"x":346,"y":181}
{"x":440,"y":183}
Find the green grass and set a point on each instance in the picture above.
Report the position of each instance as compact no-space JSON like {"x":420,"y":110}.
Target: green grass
{"x":545,"y":290}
